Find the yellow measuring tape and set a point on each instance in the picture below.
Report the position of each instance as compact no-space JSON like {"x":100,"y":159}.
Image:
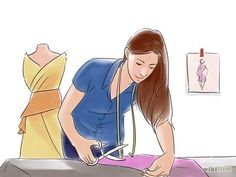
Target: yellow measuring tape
{"x":118,"y":117}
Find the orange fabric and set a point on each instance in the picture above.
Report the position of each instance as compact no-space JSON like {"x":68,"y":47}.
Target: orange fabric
{"x":41,"y":101}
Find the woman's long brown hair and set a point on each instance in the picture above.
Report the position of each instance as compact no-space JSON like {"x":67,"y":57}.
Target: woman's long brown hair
{"x":152,"y":96}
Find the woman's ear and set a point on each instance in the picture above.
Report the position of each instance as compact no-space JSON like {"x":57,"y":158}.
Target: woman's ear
{"x":126,"y":52}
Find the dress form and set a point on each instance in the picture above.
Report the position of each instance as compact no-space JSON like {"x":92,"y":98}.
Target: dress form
{"x":40,"y":129}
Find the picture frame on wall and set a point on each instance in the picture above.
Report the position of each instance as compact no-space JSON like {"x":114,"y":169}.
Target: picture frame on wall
{"x":203,"y":72}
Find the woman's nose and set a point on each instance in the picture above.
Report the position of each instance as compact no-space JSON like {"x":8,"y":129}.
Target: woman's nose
{"x":143,"y":72}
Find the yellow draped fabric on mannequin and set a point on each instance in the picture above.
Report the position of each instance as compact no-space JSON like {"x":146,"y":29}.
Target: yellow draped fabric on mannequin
{"x":40,"y":128}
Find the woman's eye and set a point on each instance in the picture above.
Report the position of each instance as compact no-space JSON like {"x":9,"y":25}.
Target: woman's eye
{"x":138,"y":63}
{"x":151,"y":67}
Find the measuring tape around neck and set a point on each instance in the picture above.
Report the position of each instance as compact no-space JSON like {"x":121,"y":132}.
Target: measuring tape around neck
{"x":118,"y":117}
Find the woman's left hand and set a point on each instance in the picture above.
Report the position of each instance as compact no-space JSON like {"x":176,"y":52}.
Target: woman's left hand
{"x":160,"y":167}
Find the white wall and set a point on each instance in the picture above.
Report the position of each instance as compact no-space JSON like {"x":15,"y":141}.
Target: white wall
{"x":204,"y":124}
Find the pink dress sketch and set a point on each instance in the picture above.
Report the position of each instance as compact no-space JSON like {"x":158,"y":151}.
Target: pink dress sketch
{"x":202,"y":73}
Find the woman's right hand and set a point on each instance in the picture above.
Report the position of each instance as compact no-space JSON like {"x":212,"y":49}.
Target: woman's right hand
{"x":83,"y":148}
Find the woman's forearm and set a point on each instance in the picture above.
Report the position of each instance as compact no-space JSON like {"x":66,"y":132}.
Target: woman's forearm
{"x":165,"y":138}
{"x":67,"y":124}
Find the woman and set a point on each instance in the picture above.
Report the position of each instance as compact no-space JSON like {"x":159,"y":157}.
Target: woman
{"x":88,"y":112}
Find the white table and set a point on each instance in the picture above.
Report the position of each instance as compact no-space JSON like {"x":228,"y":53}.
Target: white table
{"x":217,"y":166}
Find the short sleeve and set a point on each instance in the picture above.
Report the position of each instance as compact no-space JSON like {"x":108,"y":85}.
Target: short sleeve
{"x":82,"y":78}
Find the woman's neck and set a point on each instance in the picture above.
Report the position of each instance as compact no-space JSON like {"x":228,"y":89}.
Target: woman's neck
{"x":125,"y":76}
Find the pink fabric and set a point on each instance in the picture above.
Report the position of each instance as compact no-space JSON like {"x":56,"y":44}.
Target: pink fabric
{"x":180,"y":168}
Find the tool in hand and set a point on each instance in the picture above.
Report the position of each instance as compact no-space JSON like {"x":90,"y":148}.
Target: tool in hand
{"x":107,"y":154}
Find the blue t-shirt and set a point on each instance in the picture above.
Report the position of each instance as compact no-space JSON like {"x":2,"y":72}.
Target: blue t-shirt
{"x":95,"y":116}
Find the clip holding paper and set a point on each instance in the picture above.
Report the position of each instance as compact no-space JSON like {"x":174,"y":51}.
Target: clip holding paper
{"x":202,"y":52}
